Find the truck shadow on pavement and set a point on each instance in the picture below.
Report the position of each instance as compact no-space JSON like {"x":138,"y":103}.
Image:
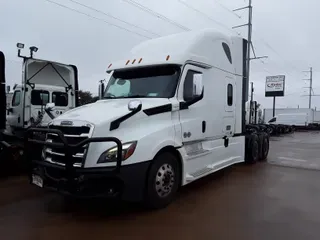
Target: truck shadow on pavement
{"x":55,"y":204}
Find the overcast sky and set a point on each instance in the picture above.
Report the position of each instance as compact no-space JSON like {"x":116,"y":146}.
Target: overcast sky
{"x":285,"y":30}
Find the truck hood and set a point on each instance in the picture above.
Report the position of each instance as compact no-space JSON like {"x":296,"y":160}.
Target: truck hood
{"x":104,"y":111}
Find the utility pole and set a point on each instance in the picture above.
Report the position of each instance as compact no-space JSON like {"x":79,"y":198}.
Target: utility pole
{"x":249,"y":47}
{"x":311,"y":94}
{"x":251,"y":104}
{"x":310,"y":88}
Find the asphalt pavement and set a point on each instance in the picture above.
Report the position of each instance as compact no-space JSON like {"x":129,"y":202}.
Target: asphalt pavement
{"x":271,"y":200}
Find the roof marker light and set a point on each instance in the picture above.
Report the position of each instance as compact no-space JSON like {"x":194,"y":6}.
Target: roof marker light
{"x":168,"y":57}
{"x":110,"y":65}
{"x":133,"y":61}
{"x":127,"y":62}
{"x":140,"y":60}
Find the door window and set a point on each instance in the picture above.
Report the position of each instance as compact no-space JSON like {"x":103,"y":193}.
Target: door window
{"x":188,"y":93}
{"x":16,"y":98}
{"x":60,"y":99}
{"x":39,"y":97}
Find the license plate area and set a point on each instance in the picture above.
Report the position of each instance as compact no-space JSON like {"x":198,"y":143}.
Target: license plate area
{"x":37,"y":180}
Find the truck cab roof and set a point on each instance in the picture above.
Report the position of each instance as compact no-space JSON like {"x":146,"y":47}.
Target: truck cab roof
{"x":195,"y":46}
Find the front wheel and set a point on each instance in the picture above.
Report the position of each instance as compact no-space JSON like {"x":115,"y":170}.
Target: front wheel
{"x":163,"y":181}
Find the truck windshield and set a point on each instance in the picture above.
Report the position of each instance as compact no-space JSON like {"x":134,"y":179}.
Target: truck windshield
{"x":147,"y":82}
{"x":273,"y":120}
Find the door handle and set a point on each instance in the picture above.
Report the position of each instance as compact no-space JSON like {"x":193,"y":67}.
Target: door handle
{"x":204,"y":126}
{"x":226,"y":141}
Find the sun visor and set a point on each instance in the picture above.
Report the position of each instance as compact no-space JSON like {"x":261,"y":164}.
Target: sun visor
{"x":2,"y":92}
{"x":38,"y":71}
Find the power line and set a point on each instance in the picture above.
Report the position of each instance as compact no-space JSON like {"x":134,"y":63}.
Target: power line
{"x":227,"y":9}
{"x":206,"y":15}
{"x":96,"y":18}
{"x":264,"y":42}
{"x":116,"y":18}
{"x":156,"y":14}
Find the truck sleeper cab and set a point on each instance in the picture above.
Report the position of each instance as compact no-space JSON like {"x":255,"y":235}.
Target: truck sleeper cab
{"x":171,"y":114}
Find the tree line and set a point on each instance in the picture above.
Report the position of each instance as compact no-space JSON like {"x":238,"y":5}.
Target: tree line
{"x":86,"y":97}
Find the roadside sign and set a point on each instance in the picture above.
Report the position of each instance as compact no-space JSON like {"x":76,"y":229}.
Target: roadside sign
{"x":275,"y":86}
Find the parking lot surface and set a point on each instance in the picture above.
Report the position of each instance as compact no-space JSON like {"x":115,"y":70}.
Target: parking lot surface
{"x":300,"y":149}
{"x":271,"y":200}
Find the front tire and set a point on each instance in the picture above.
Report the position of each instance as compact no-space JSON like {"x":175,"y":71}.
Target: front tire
{"x":163,"y":181}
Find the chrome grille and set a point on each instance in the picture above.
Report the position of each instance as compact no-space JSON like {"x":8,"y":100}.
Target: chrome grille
{"x":73,"y":135}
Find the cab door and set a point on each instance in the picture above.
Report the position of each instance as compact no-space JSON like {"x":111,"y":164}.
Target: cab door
{"x":194,"y":123}
{"x":191,"y":115}
{"x":15,"y":112}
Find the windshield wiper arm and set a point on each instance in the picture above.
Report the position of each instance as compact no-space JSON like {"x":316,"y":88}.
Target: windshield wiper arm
{"x":135,"y":96}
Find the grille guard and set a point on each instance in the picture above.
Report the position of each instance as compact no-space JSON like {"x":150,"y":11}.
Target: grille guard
{"x":69,"y":149}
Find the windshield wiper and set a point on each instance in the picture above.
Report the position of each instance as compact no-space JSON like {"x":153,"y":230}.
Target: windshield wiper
{"x":135,"y":96}
{"x":111,"y":96}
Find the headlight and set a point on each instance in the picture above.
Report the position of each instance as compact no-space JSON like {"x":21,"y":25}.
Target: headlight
{"x":111,"y":154}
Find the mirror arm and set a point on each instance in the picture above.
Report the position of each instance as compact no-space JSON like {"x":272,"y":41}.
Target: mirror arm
{"x":186,"y":104}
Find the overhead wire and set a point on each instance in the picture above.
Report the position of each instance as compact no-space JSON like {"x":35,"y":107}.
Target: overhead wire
{"x":156,"y":14}
{"x":264,"y":42}
{"x":227,"y":9}
{"x":96,"y":18}
{"x":206,"y":15}
{"x":113,"y":17}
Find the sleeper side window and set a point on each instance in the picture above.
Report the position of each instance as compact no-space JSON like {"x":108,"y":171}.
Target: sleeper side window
{"x":227,"y":51}
{"x":16,"y":98}
{"x":230,"y":94}
{"x":188,"y":86}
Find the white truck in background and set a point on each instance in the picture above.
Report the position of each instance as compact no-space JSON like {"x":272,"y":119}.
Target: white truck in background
{"x":47,"y":90}
{"x":171,"y":113}
{"x":292,"y":119}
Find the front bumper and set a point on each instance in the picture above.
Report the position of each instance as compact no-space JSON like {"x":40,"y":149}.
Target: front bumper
{"x":127,"y":182}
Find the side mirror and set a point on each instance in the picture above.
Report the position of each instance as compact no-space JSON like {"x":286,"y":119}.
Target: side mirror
{"x":133,"y":105}
{"x":101,"y":89}
{"x":9,"y":110}
{"x":50,"y":106}
{"x":8,"y":89}
{"x":197,"y":84}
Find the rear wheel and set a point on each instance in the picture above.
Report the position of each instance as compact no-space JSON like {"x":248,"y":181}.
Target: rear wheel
{"x":265,"y":147}
{"x":163,"y":181}
{"x":252,"y":149}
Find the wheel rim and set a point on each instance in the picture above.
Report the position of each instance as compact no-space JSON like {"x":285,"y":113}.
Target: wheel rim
{"x":165,"y":179}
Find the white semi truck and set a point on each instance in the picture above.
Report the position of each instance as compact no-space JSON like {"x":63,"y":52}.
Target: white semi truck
{"x":47,"y":90}
{"x":171,"y":113}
